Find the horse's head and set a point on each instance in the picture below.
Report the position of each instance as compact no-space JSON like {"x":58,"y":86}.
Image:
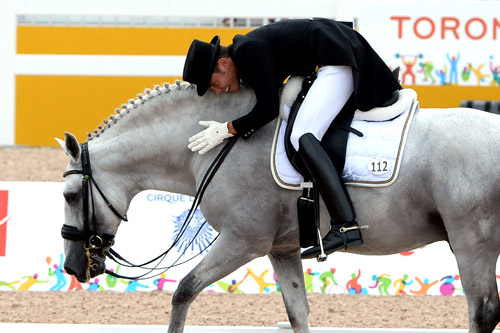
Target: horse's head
{"x":90,"y":220}
{"x":142,"y":146}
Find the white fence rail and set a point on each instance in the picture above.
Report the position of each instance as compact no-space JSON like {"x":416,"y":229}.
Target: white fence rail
{"x":281,"y":328}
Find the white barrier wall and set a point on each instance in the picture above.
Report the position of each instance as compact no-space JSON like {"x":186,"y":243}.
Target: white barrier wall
{"x":31,"y":252}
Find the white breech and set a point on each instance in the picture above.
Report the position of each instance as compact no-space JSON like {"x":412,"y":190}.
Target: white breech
{"x":326,"y":97}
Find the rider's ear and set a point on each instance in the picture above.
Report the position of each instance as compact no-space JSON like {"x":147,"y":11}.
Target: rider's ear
{"x":70,"y":145}
{"x":223,"y":63}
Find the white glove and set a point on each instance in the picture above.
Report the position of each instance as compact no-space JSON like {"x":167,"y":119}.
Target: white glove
{"x":210,"y":137}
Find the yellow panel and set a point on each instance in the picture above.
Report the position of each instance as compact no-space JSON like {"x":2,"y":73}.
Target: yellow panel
{"x":48,"y":106}
{"x":451,"y":96}
{"x":115,"y":41}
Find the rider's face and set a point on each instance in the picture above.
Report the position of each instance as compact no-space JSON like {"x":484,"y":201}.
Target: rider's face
{"x":225,"y":79}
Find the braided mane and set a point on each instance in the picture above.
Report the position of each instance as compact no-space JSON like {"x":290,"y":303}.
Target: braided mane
{"x":148,"y":95}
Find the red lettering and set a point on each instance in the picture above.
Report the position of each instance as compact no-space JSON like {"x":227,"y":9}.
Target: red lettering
{"x":496,"y":24}
{"x":417,"y":22}
{"x":453,"y":26}
{"x":467,"y":28}
{"x":424,"y":27}
{"x":400,"y":20}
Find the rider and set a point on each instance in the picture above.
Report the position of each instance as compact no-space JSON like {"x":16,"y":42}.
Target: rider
{"x":263,"y":59}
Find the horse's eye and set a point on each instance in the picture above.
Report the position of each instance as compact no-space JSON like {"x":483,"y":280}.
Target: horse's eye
{"x":70,"y":197}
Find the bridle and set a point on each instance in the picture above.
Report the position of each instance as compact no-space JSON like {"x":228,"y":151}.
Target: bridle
{"x":93,"y":243}
{"x":98,"y":246}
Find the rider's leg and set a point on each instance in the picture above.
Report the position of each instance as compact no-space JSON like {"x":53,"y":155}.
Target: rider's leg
{"x":344,"y":232}
{"x":325,"y":99}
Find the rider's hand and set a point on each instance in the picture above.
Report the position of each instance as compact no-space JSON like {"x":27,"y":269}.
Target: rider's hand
{"x":210,"y":137}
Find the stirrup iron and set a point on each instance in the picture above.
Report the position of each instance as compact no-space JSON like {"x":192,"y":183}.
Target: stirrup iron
{"x":322,"y":256}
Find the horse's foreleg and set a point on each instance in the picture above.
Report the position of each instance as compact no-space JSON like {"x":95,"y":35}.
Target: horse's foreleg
{"x":227,"y":255}
{"x":477,"y":273}
{"x":288,"y":269}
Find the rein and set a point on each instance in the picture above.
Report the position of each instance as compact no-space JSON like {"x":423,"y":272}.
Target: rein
{"x":94,"y":242}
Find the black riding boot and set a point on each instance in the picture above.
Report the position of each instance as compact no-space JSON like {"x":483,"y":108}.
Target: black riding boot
{"x":344,"y":232}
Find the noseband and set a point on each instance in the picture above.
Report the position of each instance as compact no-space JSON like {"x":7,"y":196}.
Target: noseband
{"x":93,"y":242}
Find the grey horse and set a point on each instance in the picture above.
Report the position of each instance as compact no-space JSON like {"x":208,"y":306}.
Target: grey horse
{"x":448,"y":189}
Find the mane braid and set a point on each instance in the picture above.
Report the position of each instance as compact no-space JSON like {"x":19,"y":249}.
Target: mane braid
{"x":148,"y":95}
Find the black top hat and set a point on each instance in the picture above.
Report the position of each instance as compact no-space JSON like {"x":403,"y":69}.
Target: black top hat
{"x":200,"y":63}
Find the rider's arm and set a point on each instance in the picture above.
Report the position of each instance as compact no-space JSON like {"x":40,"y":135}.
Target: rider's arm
{"x":256,"y":68}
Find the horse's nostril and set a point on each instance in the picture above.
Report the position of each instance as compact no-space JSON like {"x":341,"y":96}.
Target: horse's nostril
{"x":69,"y":270}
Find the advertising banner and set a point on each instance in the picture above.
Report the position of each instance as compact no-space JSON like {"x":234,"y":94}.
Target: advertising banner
{"x":436,"y":42}
{"x":4,"y":205}
{"x":34,"y":254}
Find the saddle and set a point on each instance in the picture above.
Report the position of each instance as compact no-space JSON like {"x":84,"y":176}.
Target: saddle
{"x":334,"y":142}
{"x":335,"y":139}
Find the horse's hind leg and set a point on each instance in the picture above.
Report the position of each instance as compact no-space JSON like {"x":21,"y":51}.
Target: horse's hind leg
{"x":477,"y":268}
{"x":224,"y":257}
{"x":288,"y":269}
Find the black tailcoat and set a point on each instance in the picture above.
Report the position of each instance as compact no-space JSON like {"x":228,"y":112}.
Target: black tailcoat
{"x":266,"y":56}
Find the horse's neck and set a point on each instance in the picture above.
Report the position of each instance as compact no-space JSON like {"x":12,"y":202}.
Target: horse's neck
{"x":147,"y":147}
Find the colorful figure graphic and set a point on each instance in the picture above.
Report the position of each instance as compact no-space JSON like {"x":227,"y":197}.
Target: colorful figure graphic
{"x":278,"y":288}
{"x":466,"y":74}
{"x":94,"y":286}
{"x":383,"y":283}
{"x":402,"y":285}
{"x":133,"y":285}
{"x":8,"y":284}
{"x":232,"y":288}
{"x":234,"y":285}
{"x":75,"y":284}
{"x":160,"y":283}
{"x":495,"y":71}
{"x":441,"y":73}
{"x":263,"y":285}
{"x":447,"y":288}
{"x":325,"y":277}
{"x":308,"y":279}
{"x":427,"y":68}
{"x":479,"y":76}
{"x":409,"y":69}
{"x":453,"y":67}
{"x":58,"y":272}
{"x":32,"y":280}
{"x":111,"y":280}
{"x":424,"y":286}
{"x":229,"y":288}
{"x":353,"y":287}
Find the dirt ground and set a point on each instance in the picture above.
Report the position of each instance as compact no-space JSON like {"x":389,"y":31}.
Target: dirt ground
{"x":153,"y":308}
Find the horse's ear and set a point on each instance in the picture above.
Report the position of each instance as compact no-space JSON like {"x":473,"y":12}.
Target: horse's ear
{"x":70,"y":145}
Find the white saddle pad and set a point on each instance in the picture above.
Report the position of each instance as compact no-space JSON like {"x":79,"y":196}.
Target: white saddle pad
{"x":371,"y":160}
